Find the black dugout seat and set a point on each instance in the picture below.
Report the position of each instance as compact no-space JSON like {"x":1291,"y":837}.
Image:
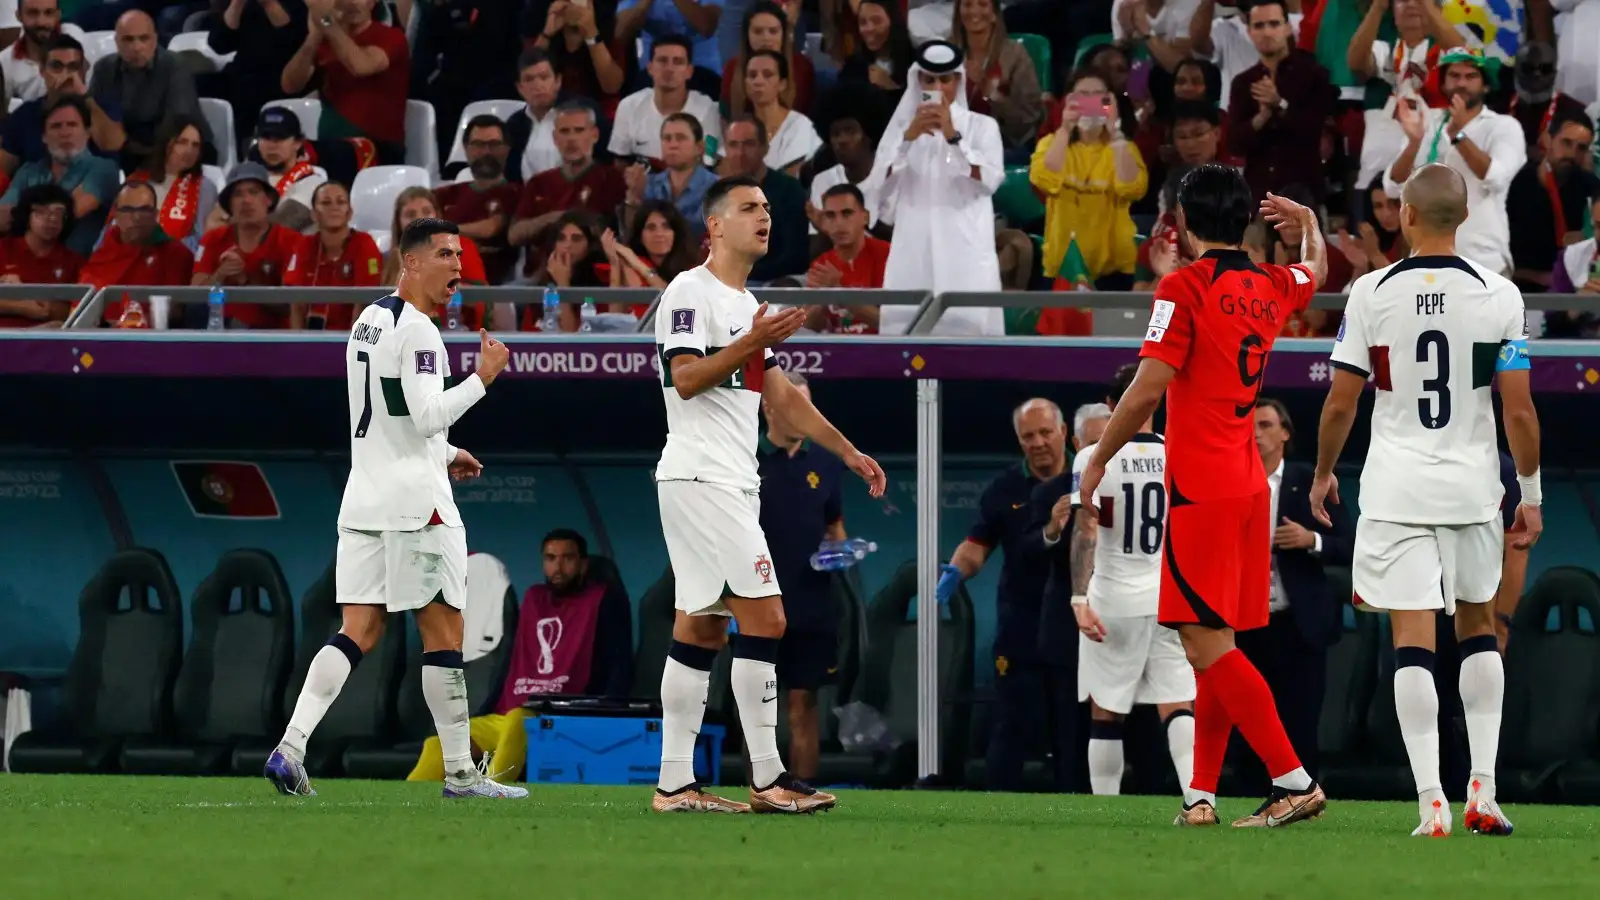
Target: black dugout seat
{"x":230,"y":687}
{"x":120,"y":681}
{"x":657,"y":610}
{"x":365,"y":707}
{"x":1352,"y":681}
{"x":1551,"y":726}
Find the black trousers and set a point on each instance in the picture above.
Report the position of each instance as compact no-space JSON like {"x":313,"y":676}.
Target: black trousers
{"x":1036,"y":711}
{"x":1297,"y":672}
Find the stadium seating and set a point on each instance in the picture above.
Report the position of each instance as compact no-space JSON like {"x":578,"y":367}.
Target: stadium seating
{"x":98,"y":44}
{"x":422,"y":142}
{"x":1352,"y":682}
{"x":219,"y":118}
{"x":364,"y":710}
{"x":198,"y":42}
{"x":308,"y":109}
{"x":372,"y":195}
{"x":500,"y":109}
{"x":216,"y":175}
{"x":230,"y":686}
{"x":122,"y":673}
{"x":1038,"y":47}
{"x":1552,"y":706}
{"x":657,"y":609}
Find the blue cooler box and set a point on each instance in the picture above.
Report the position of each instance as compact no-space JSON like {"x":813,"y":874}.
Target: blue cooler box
{"x":600,"y":750}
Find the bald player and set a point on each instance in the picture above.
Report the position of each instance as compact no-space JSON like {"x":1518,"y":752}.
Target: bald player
{"x":1433,"y":333}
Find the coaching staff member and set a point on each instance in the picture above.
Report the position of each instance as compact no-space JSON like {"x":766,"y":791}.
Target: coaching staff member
{"x":800,"y":508}
{"x":1029,"y":696}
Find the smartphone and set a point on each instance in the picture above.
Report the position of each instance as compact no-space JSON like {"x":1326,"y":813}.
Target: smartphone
{"x":1094,"y":106}
{"x":931,"y":97}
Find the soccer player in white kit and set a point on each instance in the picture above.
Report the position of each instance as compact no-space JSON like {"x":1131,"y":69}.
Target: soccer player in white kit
{"x":1433,"y":332}
{"x":1124,"y":656}
{"x":401,"y":543}
{"x":715,"y":343}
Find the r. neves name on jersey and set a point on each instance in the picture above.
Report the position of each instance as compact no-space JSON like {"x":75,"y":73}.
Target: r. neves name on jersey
{"x":1143,"y":465}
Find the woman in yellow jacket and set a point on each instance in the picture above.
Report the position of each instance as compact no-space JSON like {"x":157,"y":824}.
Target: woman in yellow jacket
{"x":1089,"y":176}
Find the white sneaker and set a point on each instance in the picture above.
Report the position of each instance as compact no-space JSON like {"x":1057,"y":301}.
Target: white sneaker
{"x":482,"y":785}
{"x":1437,"y":822}
{"x":1483,"y":815}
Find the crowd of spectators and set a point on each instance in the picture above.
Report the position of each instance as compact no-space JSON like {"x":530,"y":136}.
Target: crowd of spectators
{"x":1077,"y":117}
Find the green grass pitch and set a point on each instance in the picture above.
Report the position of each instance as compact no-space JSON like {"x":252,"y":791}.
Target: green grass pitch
{"x":171,"y":838}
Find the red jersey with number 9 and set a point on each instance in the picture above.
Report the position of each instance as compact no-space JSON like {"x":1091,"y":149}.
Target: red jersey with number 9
{"x":1214,"y":321}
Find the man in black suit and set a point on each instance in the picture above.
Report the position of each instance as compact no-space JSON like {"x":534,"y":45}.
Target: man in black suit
{"x":1291,"y":651}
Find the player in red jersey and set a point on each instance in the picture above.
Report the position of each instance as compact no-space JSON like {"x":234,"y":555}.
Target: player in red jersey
{"x":1211,"y":327}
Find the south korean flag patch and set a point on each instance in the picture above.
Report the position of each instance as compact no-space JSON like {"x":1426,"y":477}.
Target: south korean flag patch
{"x":1160,"y":318}
{"x":427,"y":362}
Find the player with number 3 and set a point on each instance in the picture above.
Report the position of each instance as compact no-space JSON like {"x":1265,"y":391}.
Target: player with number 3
{"x":1433,"y":332}
{"x":1211,"y":328}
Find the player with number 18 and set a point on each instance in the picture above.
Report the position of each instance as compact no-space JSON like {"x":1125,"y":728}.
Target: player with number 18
{"x":1211,"y":327}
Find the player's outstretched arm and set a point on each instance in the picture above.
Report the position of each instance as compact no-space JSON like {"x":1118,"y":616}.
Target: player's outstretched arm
{"x":422,"y":354}
{"x":694,"y":374}
{"x":798,"y":409}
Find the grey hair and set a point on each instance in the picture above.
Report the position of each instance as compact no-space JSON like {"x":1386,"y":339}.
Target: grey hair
{"x":573,"y":108}
{"x":1016,"y":414}
{"x":1085,"y":413}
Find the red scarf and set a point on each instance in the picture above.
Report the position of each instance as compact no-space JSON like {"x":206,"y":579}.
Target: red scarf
{"x":296,"y":172}
{"x":1549,"y":112}
{"x":181,"y":206}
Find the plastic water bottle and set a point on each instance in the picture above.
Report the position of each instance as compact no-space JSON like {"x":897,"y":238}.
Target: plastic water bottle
{"x":835,"y":556}
{"x":587,"y":314}
{"x":215,"y":320}
{"x":452,"y":313}
{"x":551,"y":322}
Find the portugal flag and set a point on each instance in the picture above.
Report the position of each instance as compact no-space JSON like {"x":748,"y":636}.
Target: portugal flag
{"x":226,"y":490}
{"x":1072,"y":276}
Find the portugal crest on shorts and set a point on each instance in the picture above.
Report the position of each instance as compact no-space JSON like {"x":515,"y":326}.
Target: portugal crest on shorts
{"x":764,"y":569}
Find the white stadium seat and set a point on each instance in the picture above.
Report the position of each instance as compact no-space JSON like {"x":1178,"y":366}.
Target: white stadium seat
{"x":309,"y":109}
{"x":196,"y":41}
{"x":16,"y":102}
{"x":215,"y":175}
{"x":97,"y":44}
{"x":372,"y":196}
{"x":219,"y":118}
{"x":422,"y":137}
{"x":500,"y":109}
{"x":382,"y":237}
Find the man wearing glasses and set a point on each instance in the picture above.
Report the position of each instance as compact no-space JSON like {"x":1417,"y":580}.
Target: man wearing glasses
{"x":483,"y":206}
{"x":66,"y":73}
{"x":22,"y":62}
{"x":135,"y":250}
{"x":90,"y":180}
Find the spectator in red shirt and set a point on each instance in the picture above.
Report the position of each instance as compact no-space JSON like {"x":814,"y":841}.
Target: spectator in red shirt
{"x":766,"y":27}
{"x":857,"y":260}
{"x":482,"y":207}
{"x":35,"y":255}
{"x":250,"y":249}
{"x":415,"y":203}
{"x":660,"y":246}
{"x":579,"y":184}
{"x":335,"y":255}
{"x":366,"y":75}
{"x":580,"y":41}
{"x":135,"y":251}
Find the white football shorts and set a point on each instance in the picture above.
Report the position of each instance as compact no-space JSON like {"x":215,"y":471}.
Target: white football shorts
{"x":402,"y":570}
{"x":1139,"y":662}
{"x":715,"y":544}
{"x":1420,"y":567}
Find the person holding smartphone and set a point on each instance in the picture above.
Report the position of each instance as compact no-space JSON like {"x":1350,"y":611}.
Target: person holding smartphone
{"x":1090,"y":175}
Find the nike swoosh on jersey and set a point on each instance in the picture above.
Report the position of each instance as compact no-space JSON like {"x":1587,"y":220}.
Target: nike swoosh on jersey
{"x":768,"y":699}
{"x":735,"y":330}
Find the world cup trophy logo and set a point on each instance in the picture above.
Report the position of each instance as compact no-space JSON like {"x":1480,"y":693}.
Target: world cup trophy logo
{"x":549,"y":633}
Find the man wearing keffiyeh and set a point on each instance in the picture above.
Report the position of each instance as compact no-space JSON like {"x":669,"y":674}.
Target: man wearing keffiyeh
{"x":1485,"y":147}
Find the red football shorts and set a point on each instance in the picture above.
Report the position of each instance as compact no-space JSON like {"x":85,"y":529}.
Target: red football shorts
{"x":1216,"y":567}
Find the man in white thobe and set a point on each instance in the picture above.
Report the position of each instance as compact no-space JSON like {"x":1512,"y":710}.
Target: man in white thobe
{"x":937,"y":168}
